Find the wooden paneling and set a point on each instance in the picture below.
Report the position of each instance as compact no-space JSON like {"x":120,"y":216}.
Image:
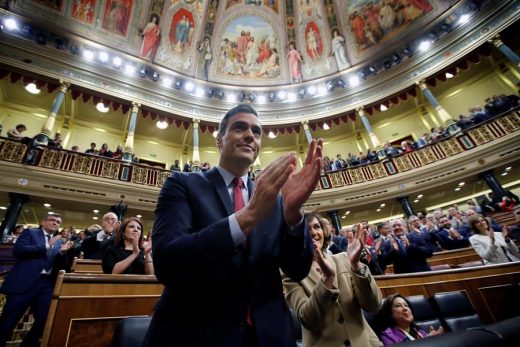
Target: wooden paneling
{"x":86,"y":266}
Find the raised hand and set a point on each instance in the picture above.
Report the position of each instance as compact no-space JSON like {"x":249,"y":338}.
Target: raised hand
{"x":300,"y":185}
{"x":356,"y":243}
{"x":433,"y":332}
{"x":327,"y":272}
{"x":505,"y":232}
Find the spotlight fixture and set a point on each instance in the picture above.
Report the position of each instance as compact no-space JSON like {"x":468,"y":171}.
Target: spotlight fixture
{"x":508,"y":168}
{"x":231,"y":97}
{"x":340,"y":83}
{"x":142,"y":71}
{"x":311,"y":90}
{"x":101,"y":107}
{"x":325,"y":126}
{"x":88,"y":54}
{"x":47,"y":205}
{"x":363,"y":75}
{"x":139,"y":216}
{"x":117,"y":61}
{"x":463,"y":19}
{"x":322,"y":90}
{"x":130,"y":69}
{"x":407,"y":51}
{"x":424,"y":45}
{"x":95,"y":211}
{"x":155,"y":76}
{"x":291,"y":96}
{"x":419,"y":196}
{"x":461,"y":184}
{"x":282,"y":94}
{"x":271,"y":96}
{"x":210,"y":92}
{"x":220,"y":94}
{"x":74,"y":49}
{"x":449,"y":75}
{"x":416,"y":200}
{"x":95,"y":218}
{"x":32,"y":88}
{"x":11,"y":24}
{"x":252,"y":97}
{"x":330,"y":86}
{"x":189,"y":86}
{"x":241,"y":96}
{"x":387,"y":64}
{"x":215,"y":133}
{"x":167,"y":82}
{"x":199,"y":91}
{"x":383,"y":108}
{"x":161,"y":124}
{"x":354,"y":81}
{"x":396,"y":58}
{"x":372,"y":69}
{"x":271,"y":134}
{"x":59,"y":42}
{"x":382,"y":205}
{"x":378,"y":210}
{"x":457,"y":189}
{"x":261,"y":98}
{"x":103,"y":56}
{"x":178,"y":84}
{"x":301,"y":92}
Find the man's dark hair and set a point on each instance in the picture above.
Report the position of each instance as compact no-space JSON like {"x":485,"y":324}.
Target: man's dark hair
{"x":380,"y":226}
{"x":56,"y":215}
{"x":19,"y":126}
{"x":245,"y":108}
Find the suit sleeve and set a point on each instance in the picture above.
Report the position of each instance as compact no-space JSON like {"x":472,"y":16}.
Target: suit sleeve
{"x":296,"y":251}
{"x":177,"y":251}
{"x":28,"y":247}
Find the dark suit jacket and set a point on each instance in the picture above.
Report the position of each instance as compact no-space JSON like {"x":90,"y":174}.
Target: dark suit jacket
{"x":414,"y":259}
{"x":341,"y":242}
{"x":210,"y":283}
{"x":31,"y":259}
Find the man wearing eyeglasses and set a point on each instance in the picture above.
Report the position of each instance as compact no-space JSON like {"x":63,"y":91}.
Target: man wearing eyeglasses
{"x":40,"y":256}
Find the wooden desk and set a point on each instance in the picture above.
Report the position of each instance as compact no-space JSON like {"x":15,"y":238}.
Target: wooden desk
{"x":86,"y":266}
{"x":86,"y":307}
{"x":483,"y":285}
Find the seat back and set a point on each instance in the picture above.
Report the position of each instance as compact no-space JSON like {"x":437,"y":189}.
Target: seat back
{"x":131,"y":331}
{"x":423,"y":312}
{"x":455,"y":310}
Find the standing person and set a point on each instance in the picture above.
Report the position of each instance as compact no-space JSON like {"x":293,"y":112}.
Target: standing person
{"x":39,"y":257}
{"x":93,"y":245}
{"x":295,"y":59}
{"x":128,"y":254}
{"x":151,"y":37}
{"x":336,"y":289}
{"x":216,"y":231}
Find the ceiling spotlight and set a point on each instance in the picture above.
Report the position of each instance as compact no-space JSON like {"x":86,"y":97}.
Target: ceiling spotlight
{"x":424,"y":45}
{"x":167,"y":82}
{"x":347,"y":212}
{"x":326,"y":126}
{"x":261,"y":99}
{"x":301,"y":92}
{"x":407,"y":51}
{"x":396,"y":58}
{"x":88,"y":54}
{"x":252,"y":97}
{"x":161,"y":124}
{"x":210,"y":92}
{"x":322,"y":90}
{"x":142,"y":71}
{"x":231,"y":97}
{"x":504,"y":173}
{"x":282,"y":94}
{"x":11,"y":24}
{"x":372,"y":69}
{"x":343,"y":217}
{"x":178,"y":84}
{"x":215,"y":133}
{"x":383,"y":108}
{"x":117,"y":61}
{"x":3,"y":208}
{"x":139,"y":216}
{"x":353,"y":81}
{"x":155,"y":76}
{"x":241,"y":96}
{"x":378,"y":210}
{"x":508,"y":168}
{"x":340,"y":83}
{"x":330,"y":86}
{"x":220,"y":94}
{"x":461,"y":184}
{"x":101,"y":107}
{"x":189,"y":86}
{"x":95,"y":218}
{"x":449,"y":75}
{"x":291,"y":96}
{"x":103,"y":57}
{"x":457,"y":189}
{"x":51,"y":212}
{"x":74,"y":49}
{"x":95,"y":211}
{"x":271,"y":96}
{"x":416,"y":200}
{"x":382,"y":205}
{"x":463,"y":19}
{"x":47,"y":205}
{"x":419,"y":196}
{"x":271,"y":134}
{"x":387,"y":64}
{"x":199,"y":91}
{"x":311,"y":90}
{"x":32,"y":88}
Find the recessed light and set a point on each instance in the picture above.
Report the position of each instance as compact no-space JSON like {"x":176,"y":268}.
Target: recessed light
{"x":47,"y":204}
{"x":271,"y":135}
{"x":508,"y":168}
{"x":326,"y":126}
{"x":95,"y":211}
{"x":32,"y":88}
{"x":102,"y":108}
{"x":416,"y":200}
{"x":461,"y":184}
{"x":3,"y":208}
{"x":504,"y":173}
{"x":419,"y":196}
{"x":103,"y":56}
{"x":161,"y":124}
{"x":261,"y":99}
{"x":449,"y":75}
{"x":425,"y":45}
{"x":215,"y":133}
{"x":95,"y":218}
{"x":88,"y":54}
{"x":457,"y":189}
{"x":343,"y":217}
{"x":50,"y":212}
{"x":11,"y":24}
{"x":138,"y":216}
{"x":382,"y":205}
{"x":464,"y":19}
{"x":378,"y":210}
{"x":353,"y":81}
{"x":348,"y":212}
{"x":117,"y":61}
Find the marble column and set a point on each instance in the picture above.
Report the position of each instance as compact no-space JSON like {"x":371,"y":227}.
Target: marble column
{"x":508,"y":52}
{"x":16,"y":202}
{"x":373,"y":137}
{"x":43,"y":137}
{"x":407,"y":207}
{"x":307,"y":131}
{"x":129,"y":143}
{"x":443,"y":115}
{"x":335,"y":220}
{"x":196,"y":154}
{"x":498,"y":191}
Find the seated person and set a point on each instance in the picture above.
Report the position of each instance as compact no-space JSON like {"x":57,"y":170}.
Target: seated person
{"x":493,"y":247}
{"x":93,"y":245}
{"x":56,"y":142}
{"x":104,"y":151}
{"x":416,"y":230}
{"x":395,"y":322}
{"x":128,"y":254}
{"x":92,"y":149}
{"x":118,"y":154}
{"x":329,"y":300}
{"x":16,"y":133}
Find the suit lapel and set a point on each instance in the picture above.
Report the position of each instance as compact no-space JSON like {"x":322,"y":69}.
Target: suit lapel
{"x":222,"y":191}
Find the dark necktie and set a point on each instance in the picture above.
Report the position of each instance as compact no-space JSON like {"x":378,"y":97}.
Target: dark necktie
{"x":238,"y":184}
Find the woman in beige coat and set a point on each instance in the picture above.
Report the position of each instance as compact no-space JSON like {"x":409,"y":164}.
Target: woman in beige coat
{"x":329,"y":300}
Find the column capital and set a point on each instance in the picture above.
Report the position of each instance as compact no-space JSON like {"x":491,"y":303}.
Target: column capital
{"x":64,"y":86}
{"x":421,"y":84}
{"x":360,"y":111}
{"x":305,"y":123}
{"x":196,"y":123}
{"x":135,"y":106}
{"x":496,"y":41}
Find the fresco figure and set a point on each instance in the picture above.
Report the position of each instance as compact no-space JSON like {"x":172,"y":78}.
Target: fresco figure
{"x":357,"y":24}
{"x":295,"y":59}
{"x":151,"y":38}
{"x":117,"y":17}
{"x":252,"y":53}
{"x":182,"y":34}
{"x":338,"y":50}
{"x":205,"y":57}
{"x":313,"y":43}
{"x":264,"y":52}
{"x":271,"y":66}
{"x":83,"y":10}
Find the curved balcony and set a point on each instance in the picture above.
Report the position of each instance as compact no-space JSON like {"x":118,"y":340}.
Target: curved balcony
{"x":73,"y":174}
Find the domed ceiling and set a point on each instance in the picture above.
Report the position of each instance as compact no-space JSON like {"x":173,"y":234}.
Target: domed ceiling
{"x":252,"y":49}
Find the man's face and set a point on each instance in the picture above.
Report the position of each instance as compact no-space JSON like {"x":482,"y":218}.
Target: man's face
{"x":241,"y":142}
{"x":108,"y":222}
{"x":384,"y":230}
{"x":445,"y":222}
{"x":51,"y":224}
{"x":397,"y":228}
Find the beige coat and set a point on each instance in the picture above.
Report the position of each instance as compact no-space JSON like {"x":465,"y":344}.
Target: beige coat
{"x":331,"y":316}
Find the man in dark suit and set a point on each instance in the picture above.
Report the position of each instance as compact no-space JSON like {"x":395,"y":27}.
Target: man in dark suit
{"x":219,"y":244}
{"x":31,"y":280}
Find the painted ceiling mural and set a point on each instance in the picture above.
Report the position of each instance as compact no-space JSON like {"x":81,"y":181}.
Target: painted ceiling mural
{"x":242,"y":42}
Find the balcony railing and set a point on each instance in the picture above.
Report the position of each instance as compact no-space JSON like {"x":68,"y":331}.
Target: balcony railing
{"x":113,"y":169}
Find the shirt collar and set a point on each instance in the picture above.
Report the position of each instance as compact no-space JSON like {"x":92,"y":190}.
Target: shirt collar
{"x":228,"y":177}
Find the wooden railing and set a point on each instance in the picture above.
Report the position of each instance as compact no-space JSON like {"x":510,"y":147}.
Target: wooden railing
{"x":86,"y":266}
{"x":93,"y":165}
